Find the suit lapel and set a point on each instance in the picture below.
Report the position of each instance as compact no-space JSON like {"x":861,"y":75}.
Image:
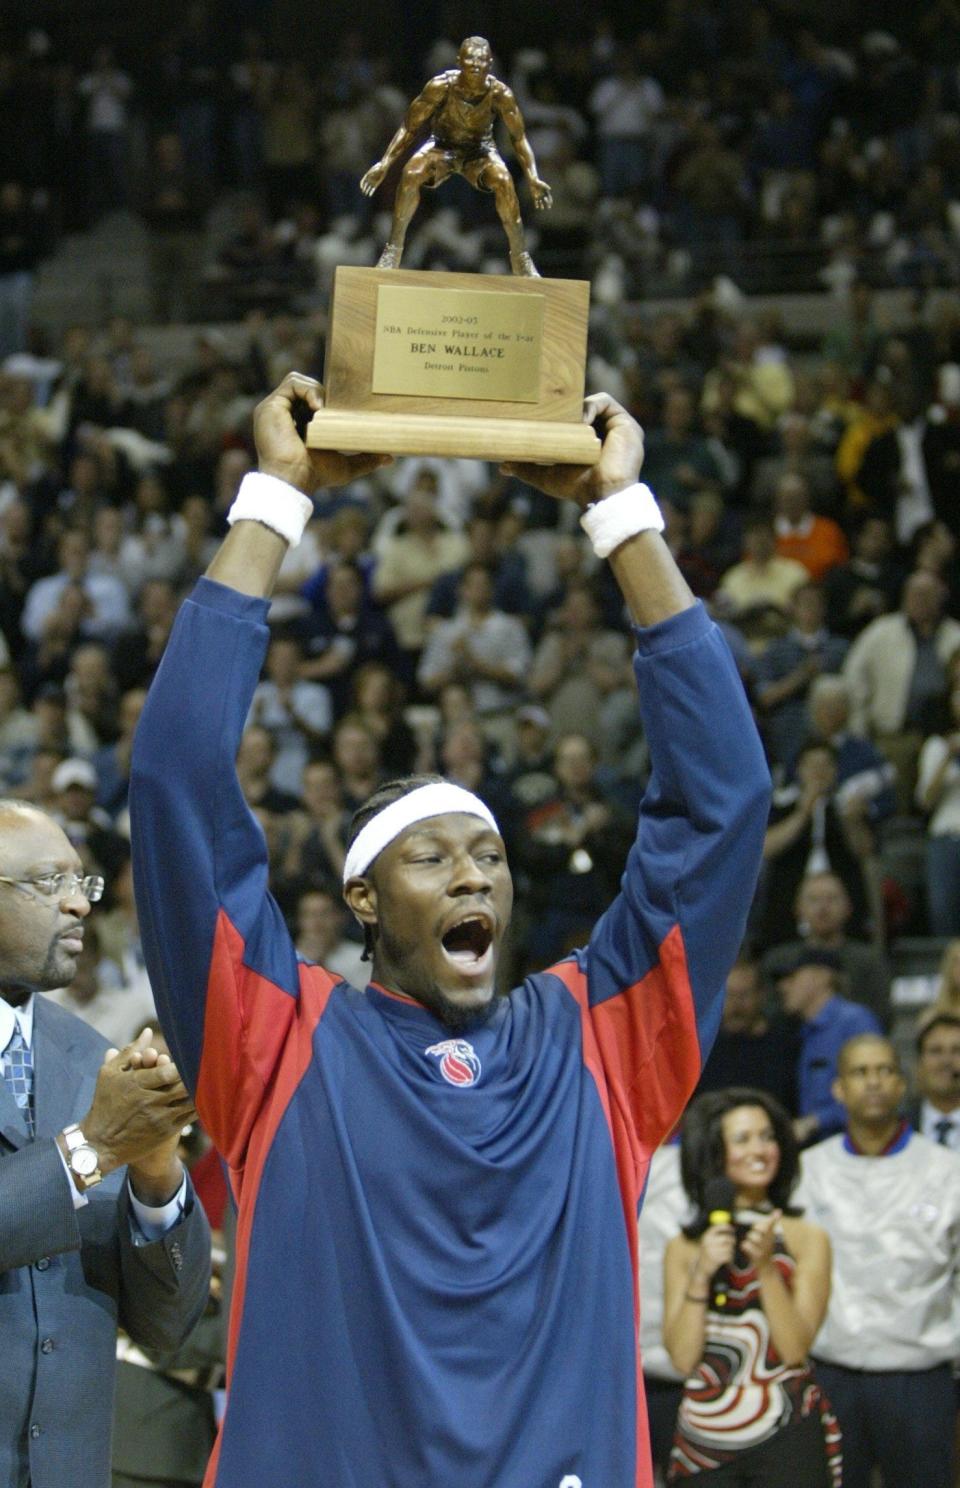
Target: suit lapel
{"x":58,"y":1079}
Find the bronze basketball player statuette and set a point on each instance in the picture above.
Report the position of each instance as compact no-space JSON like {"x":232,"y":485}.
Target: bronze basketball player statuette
{"x":460,"y":108}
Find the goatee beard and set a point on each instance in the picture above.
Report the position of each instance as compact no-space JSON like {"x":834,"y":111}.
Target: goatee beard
{"x":456,"y":1017}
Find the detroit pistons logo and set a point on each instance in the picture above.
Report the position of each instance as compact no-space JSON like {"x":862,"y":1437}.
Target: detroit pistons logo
{"x":459,"y":1064}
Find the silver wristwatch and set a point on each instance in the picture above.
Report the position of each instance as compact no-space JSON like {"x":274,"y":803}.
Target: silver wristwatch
{"x":83,"y":1160}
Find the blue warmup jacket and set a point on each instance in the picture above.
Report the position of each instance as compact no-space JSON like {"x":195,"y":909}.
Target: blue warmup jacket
{"x":436,"y":1271}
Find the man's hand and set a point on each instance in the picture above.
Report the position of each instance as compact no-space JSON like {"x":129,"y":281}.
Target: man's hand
{"x":281,"y":451}
{"x":541,"y":193}
{"x":373,"y":178}
{"x":621,"y":456}
{"x":139,"y":1108}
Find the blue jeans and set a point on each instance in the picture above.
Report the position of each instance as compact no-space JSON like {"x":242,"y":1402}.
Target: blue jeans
{"x":943,"y":885}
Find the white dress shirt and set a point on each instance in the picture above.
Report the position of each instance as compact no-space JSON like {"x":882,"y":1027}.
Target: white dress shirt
{"x":930,"y":1118}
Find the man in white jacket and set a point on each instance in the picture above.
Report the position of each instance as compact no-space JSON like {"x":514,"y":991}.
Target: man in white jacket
{"x":890,"y":1201}
{"x":895,"y":666}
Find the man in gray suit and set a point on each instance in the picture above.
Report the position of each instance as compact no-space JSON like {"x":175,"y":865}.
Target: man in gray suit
{"x":98,"y":1222}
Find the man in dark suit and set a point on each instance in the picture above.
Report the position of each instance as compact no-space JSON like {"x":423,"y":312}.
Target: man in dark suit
{"x":936,"y":1110}
{"x":98,"y":1223}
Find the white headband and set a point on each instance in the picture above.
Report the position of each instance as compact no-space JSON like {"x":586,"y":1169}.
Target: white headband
{"x":438,"y":799}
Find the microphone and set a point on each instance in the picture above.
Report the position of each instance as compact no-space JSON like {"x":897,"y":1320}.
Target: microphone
{"x":718,"y":1196}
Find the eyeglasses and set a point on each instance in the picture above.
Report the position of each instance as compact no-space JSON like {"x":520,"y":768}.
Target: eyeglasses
{"x":61,"y":885}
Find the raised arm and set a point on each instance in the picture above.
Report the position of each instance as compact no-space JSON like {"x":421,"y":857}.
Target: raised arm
{"x":221,"y":963}
{"x":651,"y":981}
{"x":509,"y":111}
{"x":418,"y":114}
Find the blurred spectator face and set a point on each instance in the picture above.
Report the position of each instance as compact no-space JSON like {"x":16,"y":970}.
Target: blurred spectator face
{"x":829,"y":710}
{"x":76,"y":802}
{"x":108,"y":530}
{"x":573,"y":762}
{"x":348,"y":533}
{"x":374,"y":690}
{"x":355,"y":749}
{"x":805,"y":989}
{"x":15,"y":527}
{"x":936,"y":549}
{"x":158,"y":603}
{"x":567,"y":557}
{"x":791,"y":498}
{"x":463,"y":748}
{"x":879,"y":399}
{"x":923,"y":599}
{"x":706,"y":510}
{"x":143,"y":368}
{"x":817,"y":769}
{"x":344,"y":590}
{"x":759,"y":542}
{"x":678,"y":413}
{"x":869,"y":1082}
{"x":456,"y":704}
{"x":808,"y":608}
{"x":873,"y":540}
{"x":195,"y":512}
{"x":420,"y":508}
{"x":795,"y":433}
{"x":131,"y":706}
{"x":255,"y":755}
{"x":476,"y":590}
{"x":321,"y":789}
{"x":232,"y":466}
{"x":482,"y":533}
{"x":531,"y":738}
{"x":743,"y":1000}
{"x":938,"y":1064}
{"x":283,"y":661}
{"x":73,"y":552}
{"x":823,"y":906}
{"x":150,"y":496}
{"x":90,"y":669}
{"x":320,"y":920}
{"x":579,"y":610}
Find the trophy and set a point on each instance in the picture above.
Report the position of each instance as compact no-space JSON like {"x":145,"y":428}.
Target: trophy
{"x":484,"y":366}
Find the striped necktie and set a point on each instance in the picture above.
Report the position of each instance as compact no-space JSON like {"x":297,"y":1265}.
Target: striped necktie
{"x":18,"y":1072}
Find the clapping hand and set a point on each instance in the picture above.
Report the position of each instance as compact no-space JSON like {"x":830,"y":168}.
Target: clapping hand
{"x":757,"y":1245}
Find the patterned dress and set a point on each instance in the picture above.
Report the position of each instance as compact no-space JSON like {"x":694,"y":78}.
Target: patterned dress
{"x":741,"y":1393}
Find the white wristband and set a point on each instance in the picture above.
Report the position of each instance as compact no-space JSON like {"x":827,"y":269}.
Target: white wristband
{"x":609,"y":522}
{"x":274,"y":503}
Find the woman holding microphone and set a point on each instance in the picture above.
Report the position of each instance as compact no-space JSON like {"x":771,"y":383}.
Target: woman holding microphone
{"x":746,"y":1289}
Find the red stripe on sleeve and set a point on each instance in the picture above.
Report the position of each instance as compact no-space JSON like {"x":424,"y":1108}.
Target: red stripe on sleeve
{"x":258,"y":1044}
{"x":642,"y":1049}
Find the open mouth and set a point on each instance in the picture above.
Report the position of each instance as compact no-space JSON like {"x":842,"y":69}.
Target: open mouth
{"x":469,"y":945}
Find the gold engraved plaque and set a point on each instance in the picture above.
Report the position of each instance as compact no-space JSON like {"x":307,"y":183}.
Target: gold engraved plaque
{"x":455,"y":343}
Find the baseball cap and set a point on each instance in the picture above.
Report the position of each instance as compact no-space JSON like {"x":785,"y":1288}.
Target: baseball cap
{"x":532,"y":713}
{"x":74,"y":772}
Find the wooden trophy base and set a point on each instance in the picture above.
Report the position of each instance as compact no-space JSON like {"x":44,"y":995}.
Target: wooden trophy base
{"x":475,"y":366}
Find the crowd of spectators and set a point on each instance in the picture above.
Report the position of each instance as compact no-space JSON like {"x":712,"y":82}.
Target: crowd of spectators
{"x":776,"y":141}
{"x":440,"y":616}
